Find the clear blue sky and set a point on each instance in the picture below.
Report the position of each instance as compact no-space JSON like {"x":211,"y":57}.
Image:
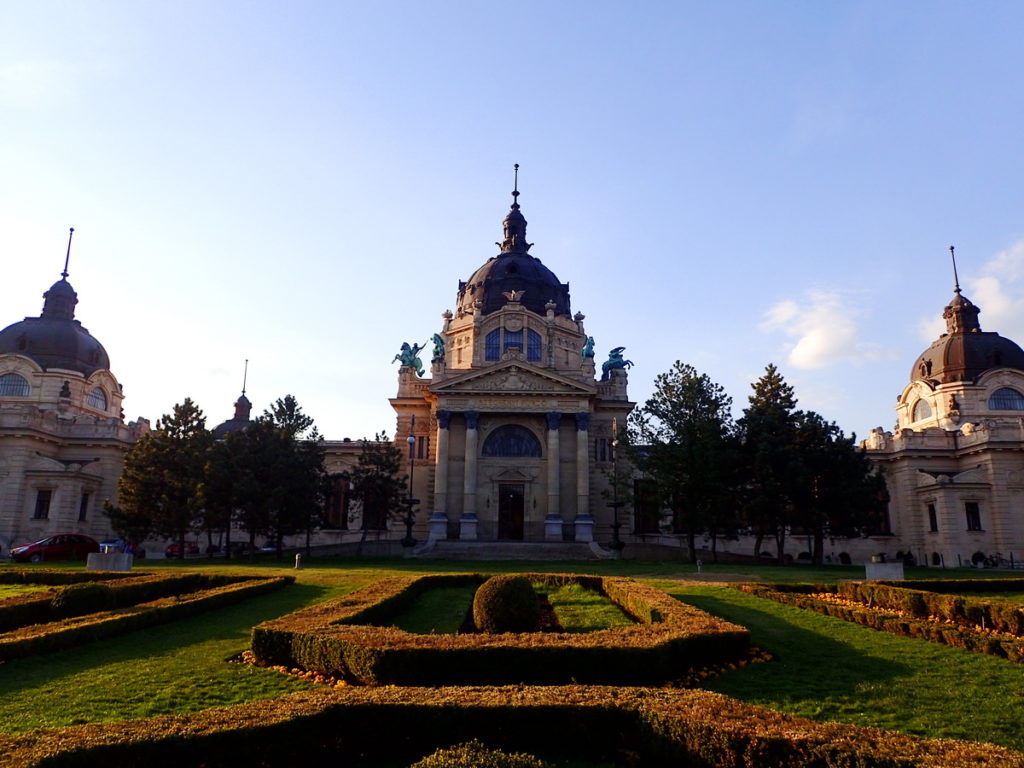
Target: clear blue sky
{"x":304,"y":184}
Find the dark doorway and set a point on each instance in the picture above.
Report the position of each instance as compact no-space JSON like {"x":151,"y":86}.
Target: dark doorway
{"x":511,"y":502}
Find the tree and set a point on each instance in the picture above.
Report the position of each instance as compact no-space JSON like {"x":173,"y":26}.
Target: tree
{"x":768,"y":437}
{"x":163,"y":473}
{"x":682,"y":439}
{"x":377,"y":483}
{"x":834,"y":488}
{"x":225,"y":477}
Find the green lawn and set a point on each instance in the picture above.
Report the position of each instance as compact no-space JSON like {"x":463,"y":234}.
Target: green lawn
{"x":16,"y":590}
{"x":825,"y":669}
{"x":583,"y":610}
{"x":438,"y":611}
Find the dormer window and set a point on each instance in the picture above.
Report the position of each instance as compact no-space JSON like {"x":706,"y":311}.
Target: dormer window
{"x":921,"y":410}
{"x":1006,"y":399}
{"x":97,"y":399}
{"x":13,"y":385}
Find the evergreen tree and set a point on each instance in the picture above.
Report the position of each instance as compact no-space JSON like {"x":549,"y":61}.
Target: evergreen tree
{"x":768,"y":435}
{"x":163,"y":473}
{"x":683,"y":440}
{"x":377,"y":483}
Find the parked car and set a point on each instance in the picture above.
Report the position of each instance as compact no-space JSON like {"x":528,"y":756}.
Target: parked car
{"x":174,"y":550}
{"x":63,"y":546}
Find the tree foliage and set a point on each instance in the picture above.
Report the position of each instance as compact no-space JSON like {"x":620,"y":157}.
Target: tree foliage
{"x":163,"y":474}
{"x":377,"y":482}
{"x":683,"y":439}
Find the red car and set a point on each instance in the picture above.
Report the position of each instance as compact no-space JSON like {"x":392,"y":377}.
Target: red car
{"x":174,"y":550}
{"x":63,"y":546}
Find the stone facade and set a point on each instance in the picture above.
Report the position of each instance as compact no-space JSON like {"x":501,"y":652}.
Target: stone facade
{"x":512,"y":429}
{"x":62,"y":432}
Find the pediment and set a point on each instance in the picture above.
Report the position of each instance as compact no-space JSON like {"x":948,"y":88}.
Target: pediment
{"x":511,"y":378}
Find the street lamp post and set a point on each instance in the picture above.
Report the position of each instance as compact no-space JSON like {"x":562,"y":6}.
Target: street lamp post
{"x":410,"y":502}
{"x":617,"y":543}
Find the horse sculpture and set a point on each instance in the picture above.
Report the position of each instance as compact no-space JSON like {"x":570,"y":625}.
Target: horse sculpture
{"x":438,"y":347}
{"x":614,"y":361}
{"x":408,"y":357}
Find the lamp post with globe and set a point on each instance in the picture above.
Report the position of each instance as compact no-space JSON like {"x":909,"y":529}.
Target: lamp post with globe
{"x":616,"y":544}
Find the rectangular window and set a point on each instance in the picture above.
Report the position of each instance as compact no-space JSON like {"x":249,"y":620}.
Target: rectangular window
{"x":933,"y":519}
{"x":514,"y":340}
{"x":42,"y":510}
{"x":646,"y":510}
{"x":492,"y":345}
{"x":83,"y":507}
{"x":337,"y":504}
{"x":423,"y":448}
{"x":533,"y":346}
{"x":973,"y":512}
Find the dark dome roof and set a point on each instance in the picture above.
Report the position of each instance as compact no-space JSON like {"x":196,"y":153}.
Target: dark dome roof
{"x":55,"y":339}
{"x":514,"y":269}
{"x":240,"y":421}
{"x":965,"y":352}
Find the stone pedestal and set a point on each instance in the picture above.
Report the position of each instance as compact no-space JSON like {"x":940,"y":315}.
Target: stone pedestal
{"x":553,"y":528}
{"x":109,"y":561}
{"x":584,"y":528}
{"x":467,"y":528}
{"x":884,"y":571}
{"x":437,"y":527}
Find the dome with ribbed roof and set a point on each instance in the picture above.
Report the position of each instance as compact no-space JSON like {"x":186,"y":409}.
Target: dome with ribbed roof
{"x":965,"y":352}
{"x":514,"y":272}
{"x":55,"y":339}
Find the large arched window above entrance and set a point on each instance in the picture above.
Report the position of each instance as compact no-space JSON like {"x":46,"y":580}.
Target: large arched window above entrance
{"x":97,"y":399}
{"x":1006,"y":399}
{"x":512,"y":441}
{"x":13,"y":385}
{"x":921,"y":410}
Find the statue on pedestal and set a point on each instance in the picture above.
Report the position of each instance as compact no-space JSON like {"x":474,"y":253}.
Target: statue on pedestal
{"x":408,"y":357}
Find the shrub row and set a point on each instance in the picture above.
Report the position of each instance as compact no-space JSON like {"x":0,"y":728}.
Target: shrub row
{"x":51,"y":578}
{"x":900,"y":622}
{"x":33,"y":608}
{"x":43,"y":638}
{"x":672,"y":638}
{"x":655,"y":727}
{"x":923,"y":602}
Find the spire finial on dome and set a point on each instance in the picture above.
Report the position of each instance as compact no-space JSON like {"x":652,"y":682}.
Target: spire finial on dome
{"x":245,"y":376}
{"x":515,"y":187}
{"x":67,"y":256}
{"x":956,"y":279}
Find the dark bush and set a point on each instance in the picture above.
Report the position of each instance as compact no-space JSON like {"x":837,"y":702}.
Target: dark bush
{"x":473,"y":754}
{"x":79,"y":599}
{"x":506,"y":603}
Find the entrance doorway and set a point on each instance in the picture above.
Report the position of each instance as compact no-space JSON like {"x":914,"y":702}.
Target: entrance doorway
{"x":511,"y":502}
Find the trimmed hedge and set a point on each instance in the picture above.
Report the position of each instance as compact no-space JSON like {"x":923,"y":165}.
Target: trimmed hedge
{"x":23,"y":610}
{"x":52,"y":578}
{"x":369,"y":725}
{"x":474,"y":754}
{"x":900,"y":621}
{"x":335,"y":639}
{"x":506,"y":603}
{"x":43,"y":638}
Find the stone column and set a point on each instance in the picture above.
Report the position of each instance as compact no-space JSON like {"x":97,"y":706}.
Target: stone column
{"x":584,"y":520}
{"x":468,"y":523}
{"x":553,"y":522}
{"x":438,"y":523}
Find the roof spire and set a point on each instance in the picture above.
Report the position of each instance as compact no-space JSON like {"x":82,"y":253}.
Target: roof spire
{"x":515,"y":188}
{"x":514,"y":224}
{"x":245,"y":376}
{"x":67,"y":257}
{"x":956,"y":279}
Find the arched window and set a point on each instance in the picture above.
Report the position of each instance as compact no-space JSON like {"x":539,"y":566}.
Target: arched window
{"x":512,"y":441}
{"x":532,"y":346}
{"x":492,"y":345}
{"x":13,"y":385}
{"x":97,"y":399}
{"x":513,"y":340}
{"x":1006,"y":399}
{"x":921,"y":410}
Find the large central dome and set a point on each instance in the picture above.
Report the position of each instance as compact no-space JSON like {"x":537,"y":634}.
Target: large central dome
{"x":514,"y":269}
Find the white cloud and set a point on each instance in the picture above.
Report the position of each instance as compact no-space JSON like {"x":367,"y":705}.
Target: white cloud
{"x":999,"y":292}
{"x":824,"y":327}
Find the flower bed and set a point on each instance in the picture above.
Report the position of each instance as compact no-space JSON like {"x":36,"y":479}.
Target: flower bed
{"x":369,"y":725}
{"x":905,"y":612}
{"x":343,"y":638}
{"x":50,"y":636}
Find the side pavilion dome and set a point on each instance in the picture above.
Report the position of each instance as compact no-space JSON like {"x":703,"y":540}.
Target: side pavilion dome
{"x":55,"y":339}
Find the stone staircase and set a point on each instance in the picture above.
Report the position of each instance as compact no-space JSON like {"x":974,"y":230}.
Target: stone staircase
{"x":505,"y":550}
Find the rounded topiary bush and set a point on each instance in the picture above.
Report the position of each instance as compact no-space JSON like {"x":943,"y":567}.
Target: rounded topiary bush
{"x":506,"y":603}
{"x":79,"y":599}
{"x":473,"y":754}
